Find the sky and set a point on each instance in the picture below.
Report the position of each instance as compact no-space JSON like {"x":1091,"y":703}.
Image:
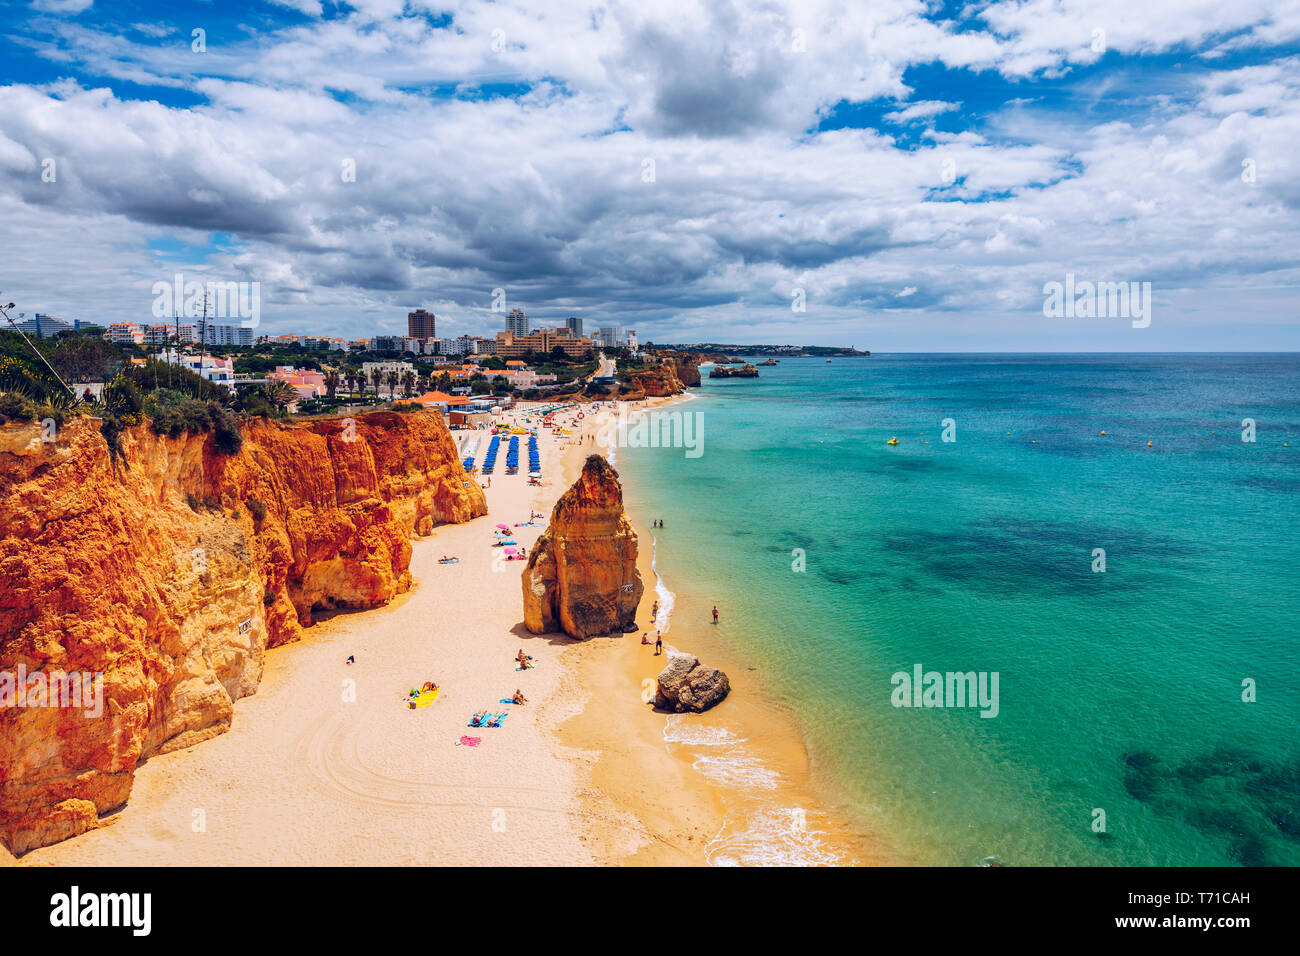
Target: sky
{"x":897,"y":175}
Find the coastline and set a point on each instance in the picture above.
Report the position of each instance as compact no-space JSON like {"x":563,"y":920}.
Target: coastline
{"x":733,"y":785}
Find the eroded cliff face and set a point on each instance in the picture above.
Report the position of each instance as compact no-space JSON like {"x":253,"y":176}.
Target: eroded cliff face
{"x":106,"y":568}
{"x":659,"y":381}
{"x":581,"y":576}
{"x":686,"y":365}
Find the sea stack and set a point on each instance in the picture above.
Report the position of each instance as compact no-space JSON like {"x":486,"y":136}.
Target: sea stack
{"x":582,"y":577}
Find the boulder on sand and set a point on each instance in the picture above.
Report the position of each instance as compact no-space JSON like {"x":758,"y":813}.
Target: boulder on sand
{"x":687,"y":685}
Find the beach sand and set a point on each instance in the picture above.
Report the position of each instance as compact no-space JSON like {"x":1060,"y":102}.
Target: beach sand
{"x":326,"y":764}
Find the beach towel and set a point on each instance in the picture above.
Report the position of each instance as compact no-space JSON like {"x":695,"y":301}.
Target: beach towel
{"x":496,"y":721}
{"x":469,"y":741}
{"x":507,"y":700}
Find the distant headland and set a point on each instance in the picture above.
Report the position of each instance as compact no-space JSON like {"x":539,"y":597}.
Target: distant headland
{"x":778,"y":351}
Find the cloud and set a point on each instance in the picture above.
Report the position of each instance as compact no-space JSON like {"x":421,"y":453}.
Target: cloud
{"x":381,"y":159}
{"x":925,"y":109}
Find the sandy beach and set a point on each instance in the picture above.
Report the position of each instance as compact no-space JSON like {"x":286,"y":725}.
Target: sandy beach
{"x":326,"y":764}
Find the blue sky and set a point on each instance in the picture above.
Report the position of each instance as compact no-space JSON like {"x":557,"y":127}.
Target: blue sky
{"x":914,"y":173}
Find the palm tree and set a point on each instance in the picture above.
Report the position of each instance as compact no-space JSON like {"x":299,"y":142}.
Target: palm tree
{"x":376,"y":377}
{"x":350,"y":377}
{"x":331,"y":383}
{"x":280,"y":394}
{"x":408,"y":383}
{"x":393,"y":377}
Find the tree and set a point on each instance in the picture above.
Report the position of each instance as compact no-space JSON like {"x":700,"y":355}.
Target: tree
{"x":558,"y":355}
{"x":393,"y":377}
{"x":408,"y":383}
{"x":331,"y":383}
{"x":376,"y":377}
{"x":278,"y":393}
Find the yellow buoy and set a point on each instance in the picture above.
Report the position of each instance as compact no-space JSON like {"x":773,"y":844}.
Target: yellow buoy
{"x":1103,"y":431}
{"x":1148,"y":444}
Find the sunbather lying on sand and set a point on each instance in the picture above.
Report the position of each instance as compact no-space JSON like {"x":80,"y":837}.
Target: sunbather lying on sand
{"x":477,"y":719}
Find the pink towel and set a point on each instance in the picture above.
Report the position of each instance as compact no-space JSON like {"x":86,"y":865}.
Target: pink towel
{"x":469,"y":741}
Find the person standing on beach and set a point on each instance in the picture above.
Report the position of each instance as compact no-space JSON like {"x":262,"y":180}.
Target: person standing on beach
{"x":659,"y":643}
{"x":715,"y":614}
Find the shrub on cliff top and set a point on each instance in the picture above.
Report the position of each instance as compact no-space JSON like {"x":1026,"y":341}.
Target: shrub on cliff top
{"x":257,"y":508}
{"x":15,"y":408}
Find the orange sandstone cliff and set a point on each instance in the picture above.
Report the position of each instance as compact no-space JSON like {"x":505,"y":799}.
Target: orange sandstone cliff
{"x":581,"y":576}
{"x":172,"y":569}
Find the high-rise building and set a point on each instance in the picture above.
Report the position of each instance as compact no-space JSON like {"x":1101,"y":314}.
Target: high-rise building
{"x":631,"y":339}
{"x":196,"y":333}
{"x":517,"y":322}
{"x":421,"y":325}
{"x":609,"y":336}
{"x":45,"y":326}
{"x":574,"y":325}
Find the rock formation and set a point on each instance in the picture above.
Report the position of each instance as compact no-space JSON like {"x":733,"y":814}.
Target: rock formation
{"x":686,"y":365}
{"x":581,"y":576}
{"x":686,"y":684}
{"x":659,"y":381}
{"x":745,"y":371}
{"x":171,"y":569}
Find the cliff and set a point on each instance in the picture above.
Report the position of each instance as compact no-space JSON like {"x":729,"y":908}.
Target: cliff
{"x":581,"y":576}
{"x":659,"y":381}
{"x":169,"y":572}
{"x":686,"y":365}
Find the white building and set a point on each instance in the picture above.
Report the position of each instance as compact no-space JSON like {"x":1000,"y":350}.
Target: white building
{"x":401,"y":368}
{"x":219,"y":371}
{"x":213,"y":334}
{"x":609,"y":336}
{"x":124,"y":333}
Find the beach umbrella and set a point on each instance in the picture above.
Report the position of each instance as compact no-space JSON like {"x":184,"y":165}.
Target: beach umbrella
{"x":506,"y":526}
{"x":510,"y":550}
{"x":534,"y":474}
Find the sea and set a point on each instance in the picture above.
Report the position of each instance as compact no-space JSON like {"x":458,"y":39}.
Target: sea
{"x":1105,"y":545}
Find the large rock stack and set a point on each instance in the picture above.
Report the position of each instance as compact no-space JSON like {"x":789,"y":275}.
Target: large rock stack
{"x":581,"y":576}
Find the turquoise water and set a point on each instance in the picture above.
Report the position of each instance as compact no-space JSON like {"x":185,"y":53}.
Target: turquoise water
{"x":1118,"y":691}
